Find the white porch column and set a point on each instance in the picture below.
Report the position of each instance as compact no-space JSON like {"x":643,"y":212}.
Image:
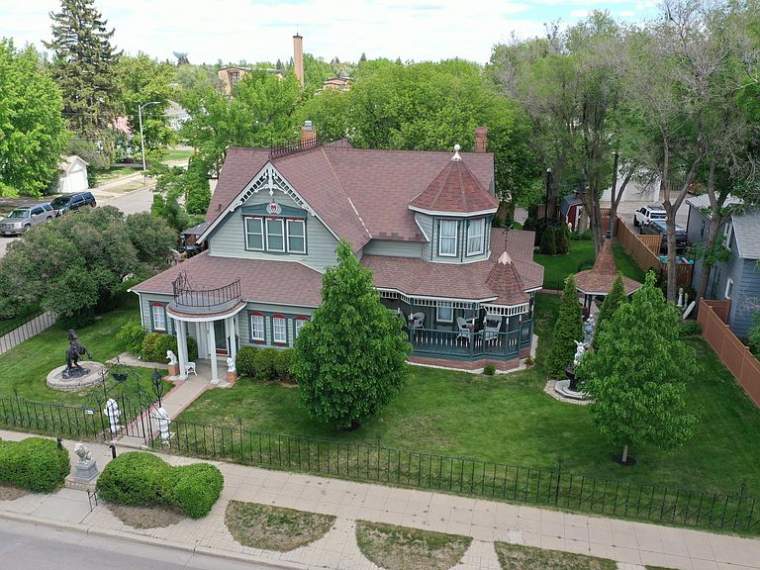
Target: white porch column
{"x":212,"y":352}
{"x":233,"y":337}
{"x":182,"y":348}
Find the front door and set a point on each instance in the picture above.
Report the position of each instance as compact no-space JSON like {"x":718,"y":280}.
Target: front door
{"x":221,"y":337}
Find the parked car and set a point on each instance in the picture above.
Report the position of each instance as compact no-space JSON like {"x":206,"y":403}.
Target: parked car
{"x":648,"y":214}
{"x":22,"y":219}
{"x":659,"y":227}
{"x":73,"y":202}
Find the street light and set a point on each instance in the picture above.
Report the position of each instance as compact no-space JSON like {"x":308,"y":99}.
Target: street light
{"x":142,"y":139}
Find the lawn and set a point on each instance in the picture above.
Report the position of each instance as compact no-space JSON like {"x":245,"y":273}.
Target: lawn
{"x":177,"y":154}
{"x":109,"y":174}
{"x":24,"y":369}
{"x":509,"y":419}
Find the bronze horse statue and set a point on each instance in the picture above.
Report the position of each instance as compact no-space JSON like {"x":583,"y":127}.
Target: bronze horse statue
{"x":74,"y":352}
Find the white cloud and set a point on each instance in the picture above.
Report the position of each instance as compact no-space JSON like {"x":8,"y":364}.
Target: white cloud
{"x":255,"y":30}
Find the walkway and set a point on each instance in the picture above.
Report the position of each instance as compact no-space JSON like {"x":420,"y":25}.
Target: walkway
{"x":631,"y":544}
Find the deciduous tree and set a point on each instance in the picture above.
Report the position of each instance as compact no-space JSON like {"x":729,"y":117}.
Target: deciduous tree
{"x":350,"y":358}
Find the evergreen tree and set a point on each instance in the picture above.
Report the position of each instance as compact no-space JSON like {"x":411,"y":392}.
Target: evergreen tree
{"x":363,"y":58}
{"x":567,"y":330}
{"x":612,"y":301}
{"x":638,"y":374}
{"x":83,"y":62}
{"x":350,"y":358}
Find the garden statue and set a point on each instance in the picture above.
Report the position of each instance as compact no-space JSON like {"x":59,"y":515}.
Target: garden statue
{"x":75,"y":350}
{"x":162,"y":417}
{"x":171,"y":357}
{"x":580,"y":350}
{"x":113,"y":414}
{"x":588,"y":330}
{"x":86,"y":470}
{"x":82,"y":452}
{"x":230,"y":364}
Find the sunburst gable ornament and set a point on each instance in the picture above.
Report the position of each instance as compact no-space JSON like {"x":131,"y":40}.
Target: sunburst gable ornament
{"x":274,"y":209}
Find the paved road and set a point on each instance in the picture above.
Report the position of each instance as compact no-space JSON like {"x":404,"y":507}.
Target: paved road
{"x":130,"y":203}
{"x":26,"y":547}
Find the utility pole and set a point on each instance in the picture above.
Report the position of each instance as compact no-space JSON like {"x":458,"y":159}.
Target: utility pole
{"x":142,"y":139}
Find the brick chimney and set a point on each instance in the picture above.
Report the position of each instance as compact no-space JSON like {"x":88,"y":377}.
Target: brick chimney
{"x":308,"y":133}
{"x":298,"y":57}
{"x":481,"y":139}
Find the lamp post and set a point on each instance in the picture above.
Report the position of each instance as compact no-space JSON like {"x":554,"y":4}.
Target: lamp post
{"x":142,"y":139}
{"x":158,"y":386}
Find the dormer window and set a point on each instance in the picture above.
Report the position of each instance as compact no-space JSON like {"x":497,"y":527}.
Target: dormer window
{"x":447,"y":238}
{"x":476,"y":236}
{"x":254,"y":234}
{"x":275,"y":234}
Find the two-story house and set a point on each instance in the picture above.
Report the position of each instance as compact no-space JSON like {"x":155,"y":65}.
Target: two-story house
{"x":420,"y":221}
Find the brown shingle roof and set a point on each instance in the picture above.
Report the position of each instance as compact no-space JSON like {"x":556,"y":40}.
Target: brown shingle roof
{"x":357,"y":192}
{"x":601,"y":277}
{"x":262,"y":281}
{"x":455,"y":190}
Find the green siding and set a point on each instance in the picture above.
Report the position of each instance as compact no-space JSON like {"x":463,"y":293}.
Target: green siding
{"x":393,"y":248}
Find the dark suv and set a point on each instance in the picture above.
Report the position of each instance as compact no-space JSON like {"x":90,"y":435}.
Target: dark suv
{"x":73,"y":202}
{"x":659,"y":227}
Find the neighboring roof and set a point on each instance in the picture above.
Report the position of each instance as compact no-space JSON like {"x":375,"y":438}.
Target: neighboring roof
{"x":703,"y":201}
{"x":599,"y":279}
{"x":68,"y":161}
{"x":502,"y":280}
{"x":360,"y":194}
{"x":569,"y":201}
{"x":455,"y":190}
{"x":261,"y":281}
{"x":195,"y":230}
{"x":746,"y":229}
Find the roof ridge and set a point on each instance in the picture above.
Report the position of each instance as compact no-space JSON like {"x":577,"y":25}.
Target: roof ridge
{"x":343,"y":191}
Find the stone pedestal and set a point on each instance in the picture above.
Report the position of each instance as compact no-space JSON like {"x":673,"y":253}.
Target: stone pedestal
{"x":174,"y":369}
{"x":84,"y":476}
{"x":231,"y":376}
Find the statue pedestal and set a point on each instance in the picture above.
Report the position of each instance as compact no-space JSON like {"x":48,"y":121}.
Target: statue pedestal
{"x":174,"y":369}
{"x":84,"y":476}
{"x":231,"y":376}
{"x":570,"y":375}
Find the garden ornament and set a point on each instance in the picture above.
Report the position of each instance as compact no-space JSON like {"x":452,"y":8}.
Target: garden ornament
{"x":83,"y":453}
{"x":171,"y":357}
{"x":580,"y":350}
{"x":230,"y":364}
{"x":73,"y":353}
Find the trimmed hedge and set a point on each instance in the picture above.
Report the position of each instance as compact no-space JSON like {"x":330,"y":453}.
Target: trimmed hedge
{"x":245,"y":361}
{"x":264,"y":363}
{"x":138,"y":478}
{"x":155,"y":345}
{"x":34,"y":464}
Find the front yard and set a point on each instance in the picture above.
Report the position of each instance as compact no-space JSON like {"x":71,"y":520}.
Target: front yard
{"x":509,"y":419}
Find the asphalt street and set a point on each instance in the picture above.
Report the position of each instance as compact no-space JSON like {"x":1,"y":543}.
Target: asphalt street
{"x":31,"y":547}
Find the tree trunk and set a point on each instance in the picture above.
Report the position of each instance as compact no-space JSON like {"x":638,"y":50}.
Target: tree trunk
{"x":712,"y":234}
{"x":624,"y":457}
{"x":671,"y":241}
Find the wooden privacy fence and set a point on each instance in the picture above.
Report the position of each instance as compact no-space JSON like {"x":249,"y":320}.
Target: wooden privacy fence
{"x":731,"y":351}
{"x":644,"y":249}
{"x":26,"y":331}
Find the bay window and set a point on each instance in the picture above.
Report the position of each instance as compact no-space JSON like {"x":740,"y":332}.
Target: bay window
{"x":476,"y":236}
{"x":447,"y":238}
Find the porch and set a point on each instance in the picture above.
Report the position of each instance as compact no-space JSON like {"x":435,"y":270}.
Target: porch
{"x":463,"y":330}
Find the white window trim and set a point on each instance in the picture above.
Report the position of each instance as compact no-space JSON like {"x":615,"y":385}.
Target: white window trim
{"x":282,"y":235}
{"x":263,"y":337}
{"x":297,"y":326}
{"x":284,"y":331}
{"x":441,"y":305}
{"x":261,"y":226}
{"x":482,"y":243}
{"x":729,"y":288}
{"x":287,"y":229}
{"x":154,"y":321}
{"x":455,"y":237}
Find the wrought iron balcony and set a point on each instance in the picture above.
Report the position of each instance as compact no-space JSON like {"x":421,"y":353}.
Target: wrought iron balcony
{"x":190,"y":300}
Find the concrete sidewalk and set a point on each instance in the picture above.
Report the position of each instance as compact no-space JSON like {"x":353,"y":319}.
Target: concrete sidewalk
{"x":631,"y":544}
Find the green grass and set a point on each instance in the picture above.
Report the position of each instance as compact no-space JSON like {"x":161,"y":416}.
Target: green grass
{"x":109,"y":174}
{"x":558,"y":267}
{"x":177,"y":154}
{"x":509,"y":419}
{"x":24,"y":369}
{"x":519,"y":557}
{"x":625,"y":263}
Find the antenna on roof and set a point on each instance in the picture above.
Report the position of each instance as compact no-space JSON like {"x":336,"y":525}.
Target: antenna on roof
{"x":456,"y":156}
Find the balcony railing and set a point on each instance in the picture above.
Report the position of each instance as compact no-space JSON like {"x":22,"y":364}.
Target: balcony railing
{"x":471,"y":344}
{"x":203,"y":301}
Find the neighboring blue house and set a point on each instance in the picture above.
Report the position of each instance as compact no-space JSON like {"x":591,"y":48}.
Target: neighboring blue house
{"x":419,"y":220}
{"x":738,"y":278}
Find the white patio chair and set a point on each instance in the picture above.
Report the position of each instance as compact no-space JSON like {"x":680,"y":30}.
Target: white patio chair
{"x":190,"y":367}
{"x":465,"y":331}
{"x":418,"y":320}
{"x":491,"y":329}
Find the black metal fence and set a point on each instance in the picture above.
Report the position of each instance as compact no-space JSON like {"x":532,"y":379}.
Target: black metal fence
{"x":555,"y":487}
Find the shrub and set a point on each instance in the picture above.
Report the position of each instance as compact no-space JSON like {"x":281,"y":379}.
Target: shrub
{"x":245,"y":361}
{"x":282,"y":364}
{"x":132,"y":335}
{"x":34,"y":464}
{"x":265,"y":363}
{"x":489,"y":370}
{"x":568,"y":328}
{"x":690,"y":328}
{"x":139,"y":478}
{"x":156,"y":344}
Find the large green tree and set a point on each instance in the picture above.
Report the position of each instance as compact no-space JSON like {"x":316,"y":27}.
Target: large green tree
{"x":83,"y":66}
{"x":612,"y":301}
{"x":32,"y":132}
{"x":638,"y":374}
{"x":350,"y":358}
{"x":567,"y":330}
{"x":77,"y":263}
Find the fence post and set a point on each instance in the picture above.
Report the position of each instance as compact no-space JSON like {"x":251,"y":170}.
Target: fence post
{"x":559,"y":475}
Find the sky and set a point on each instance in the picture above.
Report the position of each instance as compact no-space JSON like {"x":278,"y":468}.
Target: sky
{"x":261,"y":30}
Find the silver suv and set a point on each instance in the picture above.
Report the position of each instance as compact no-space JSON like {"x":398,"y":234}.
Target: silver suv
{"x":22,"y":219}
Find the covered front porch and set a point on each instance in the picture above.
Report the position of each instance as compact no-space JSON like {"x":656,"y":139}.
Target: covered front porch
{"x":463,"y":330}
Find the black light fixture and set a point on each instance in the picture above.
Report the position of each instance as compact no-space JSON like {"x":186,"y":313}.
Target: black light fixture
{"x":158,"y":385}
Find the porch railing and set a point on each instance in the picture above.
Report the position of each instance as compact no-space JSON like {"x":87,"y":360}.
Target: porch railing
{"x":190,"y":300}
{"x":470,"y":343}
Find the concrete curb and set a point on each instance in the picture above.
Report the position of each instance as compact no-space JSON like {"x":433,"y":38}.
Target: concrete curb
{"x":151,"y":541}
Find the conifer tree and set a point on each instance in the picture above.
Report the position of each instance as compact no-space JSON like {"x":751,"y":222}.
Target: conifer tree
{"x":612,"y":301}
{"x":83,"y":67}
{"x":567,"y":330}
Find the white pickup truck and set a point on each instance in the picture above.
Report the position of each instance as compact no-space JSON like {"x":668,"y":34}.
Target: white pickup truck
{"x":648,"y":214}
